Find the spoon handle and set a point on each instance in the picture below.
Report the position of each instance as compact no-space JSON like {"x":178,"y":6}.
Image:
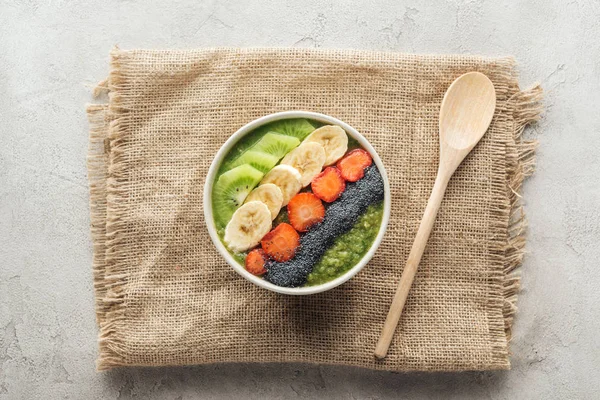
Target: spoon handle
{"x":414,"y":258}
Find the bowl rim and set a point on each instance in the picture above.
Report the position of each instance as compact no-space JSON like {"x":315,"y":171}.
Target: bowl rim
{"x":211,"y":226}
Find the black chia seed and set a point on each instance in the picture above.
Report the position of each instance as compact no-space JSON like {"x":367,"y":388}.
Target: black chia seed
{"x":340,"y":217}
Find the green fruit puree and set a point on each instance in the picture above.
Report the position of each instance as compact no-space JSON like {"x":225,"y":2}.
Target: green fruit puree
{"x":348,"y":248}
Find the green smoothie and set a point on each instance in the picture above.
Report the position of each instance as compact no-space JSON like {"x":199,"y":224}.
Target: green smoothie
{"x":348,"y":248}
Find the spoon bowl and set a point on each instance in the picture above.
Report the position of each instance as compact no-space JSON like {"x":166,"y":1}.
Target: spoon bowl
{"x":467,"y":110}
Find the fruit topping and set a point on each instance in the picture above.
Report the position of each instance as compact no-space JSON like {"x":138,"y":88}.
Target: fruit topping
{"x":270,"y":194}
{"x":295,"y":127}
{"x":308,"y":159}
{"x":328,"y":185}
{"x":258,"y":159}
{"x":231,"y":190}
{"x":333,"y":139}
{"x":275,"y":144}
{"x":247,"y":226}
{"x":287,"y":179}
{"x":304,"y":211}
{"x":255,"y":262}
{"x":281,"y":243}
{"x":352,"y":166}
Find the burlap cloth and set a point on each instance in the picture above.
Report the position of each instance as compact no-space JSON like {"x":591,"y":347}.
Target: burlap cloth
{"x":164,"y":296}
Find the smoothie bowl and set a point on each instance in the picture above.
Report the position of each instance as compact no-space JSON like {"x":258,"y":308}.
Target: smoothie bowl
{"x":297,"y":202}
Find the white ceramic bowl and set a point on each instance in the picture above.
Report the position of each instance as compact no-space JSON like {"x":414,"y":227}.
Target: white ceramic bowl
{"x":210,"y":223}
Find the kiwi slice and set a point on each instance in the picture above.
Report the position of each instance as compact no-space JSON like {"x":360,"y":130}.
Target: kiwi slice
{"x":276,"y":145}
{"x":230,"y":191}
{"x":295,"y":127}
{"x":261,"y":161}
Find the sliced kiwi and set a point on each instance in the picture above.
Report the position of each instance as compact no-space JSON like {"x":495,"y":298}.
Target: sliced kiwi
{"x":296,"y":127}
{"x":230,"y":191}
{"x":260,"y":160}
{"x":276,"y":145}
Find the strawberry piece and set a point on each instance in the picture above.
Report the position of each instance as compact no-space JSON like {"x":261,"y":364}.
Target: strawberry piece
{"x":281,"y":243}
{"x":352,"y":166}
{"x":328,"y":185}
{"x":305,"y":210}
{"x":255,"y":262}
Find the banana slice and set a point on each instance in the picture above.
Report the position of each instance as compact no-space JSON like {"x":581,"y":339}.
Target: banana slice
{"x":247,"y":226}
{"x":333,"y":139}
{"x":285,"y":177}
{"x":308,"y":159}
{"x":270,"y":194}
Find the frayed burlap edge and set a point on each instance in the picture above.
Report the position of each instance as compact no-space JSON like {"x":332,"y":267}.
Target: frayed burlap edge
{"x":516,"y":161}
{"x":107,"y":171}
{"x":97,"y":162}
{"x":521,"y":164}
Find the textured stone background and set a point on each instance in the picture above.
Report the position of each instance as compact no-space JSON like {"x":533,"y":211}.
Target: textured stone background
{"x":53,"y":51}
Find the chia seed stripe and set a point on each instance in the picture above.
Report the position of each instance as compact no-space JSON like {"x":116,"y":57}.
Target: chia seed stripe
{"x":340,"y":217}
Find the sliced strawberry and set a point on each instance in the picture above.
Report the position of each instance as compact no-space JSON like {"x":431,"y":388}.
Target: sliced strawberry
{"x":305,"y":210}
{"x":352,"y":166}
{"x":328,"y":185}
{"x":255,"y":262}
{"x":281,"y":243}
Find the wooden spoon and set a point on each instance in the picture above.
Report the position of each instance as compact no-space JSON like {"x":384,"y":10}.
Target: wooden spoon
{"x":465,"y":115}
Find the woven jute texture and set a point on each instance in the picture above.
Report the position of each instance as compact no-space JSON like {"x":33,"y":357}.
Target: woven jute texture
{"x":164,"y":296}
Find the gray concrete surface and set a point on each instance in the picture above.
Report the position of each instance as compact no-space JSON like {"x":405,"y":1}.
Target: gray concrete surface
{"x":51,"y":52}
